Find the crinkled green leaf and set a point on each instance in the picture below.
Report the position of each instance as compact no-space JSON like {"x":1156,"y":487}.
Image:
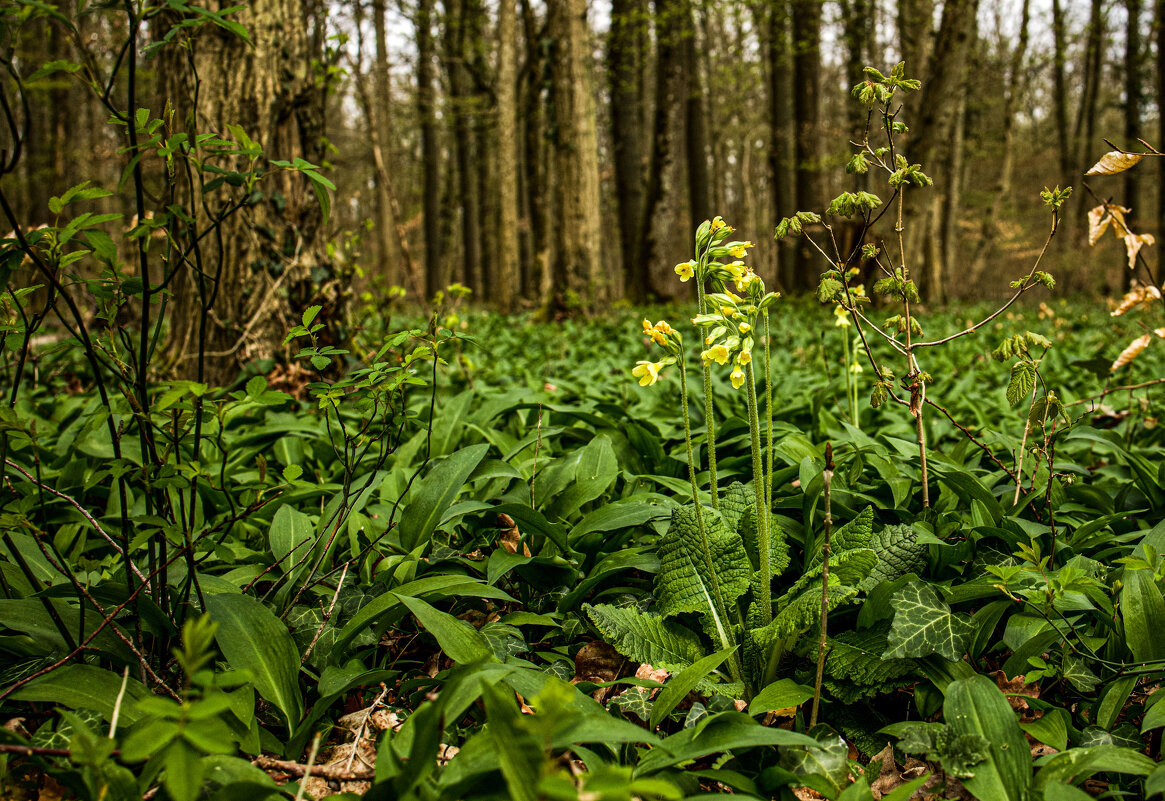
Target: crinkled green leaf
{"x":684,"y":583}
{"x":924,"y":625}
{"x":899,"y":553}
{"x":646,"y":638}
{"x":855,"y":667}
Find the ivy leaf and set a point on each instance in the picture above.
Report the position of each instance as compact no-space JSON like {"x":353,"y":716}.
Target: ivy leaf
{"x":924,"y":625}
{"x":1077,"y":674}
{"x":826,"y":763}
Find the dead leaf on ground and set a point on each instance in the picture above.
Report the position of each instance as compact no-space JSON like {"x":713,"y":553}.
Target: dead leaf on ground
{"x":510,"y":536}
{"x":598,"y":662}
{"x":1016,"y":690}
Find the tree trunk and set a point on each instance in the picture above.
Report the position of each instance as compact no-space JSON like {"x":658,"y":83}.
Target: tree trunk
{"x":1011,"y":95}
{"x":260,"y":260}
{"x":934,"y":133}
{"x":626,"y":67}
{"x":1159,"y":30}
{"x":807,"y":136}
{"x":387,"y":256}
{"x":430,"y":156}
{"x":508,"y":286}
{"x":695,"y":122}
{"x":461,"y":102}
{"x":577,"y":226}
{"x":667,"y":16}
{"x":774,"y":21}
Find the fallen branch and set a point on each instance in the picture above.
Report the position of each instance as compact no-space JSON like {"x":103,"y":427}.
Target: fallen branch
{"x":329,"y":772}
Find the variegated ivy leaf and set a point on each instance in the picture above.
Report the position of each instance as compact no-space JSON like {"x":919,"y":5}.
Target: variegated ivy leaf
{"x":924,"y":625}
{"x":634,"y":701}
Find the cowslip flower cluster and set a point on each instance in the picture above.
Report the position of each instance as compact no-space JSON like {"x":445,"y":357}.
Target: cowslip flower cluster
{"x":666,"y":337}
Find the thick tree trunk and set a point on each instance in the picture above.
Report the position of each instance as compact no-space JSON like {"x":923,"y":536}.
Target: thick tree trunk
{"x":626,"y":67}
{"x":933,"y":140}
{"x":807,"y":135}
{"x":260,"y":260}
{"x":508,"y":286}
{"x":773,"y":19}
{"x":695,"y":122}
{"x":461,"y":102}
{"x":1159,"y":31}
{"x":535,"y":162}
{"x":387,"y":252}
{"x":430,"y":157}
{"x":667,"y":25}
{"x":577,"y":228}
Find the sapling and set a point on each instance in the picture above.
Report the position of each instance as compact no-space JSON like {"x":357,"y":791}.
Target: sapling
{"x":902,"y":332}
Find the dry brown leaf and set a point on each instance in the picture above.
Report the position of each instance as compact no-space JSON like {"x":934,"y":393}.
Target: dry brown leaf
{"x":1133,"y":245}
{"x":1137,"y":296}
{"x":1113,"y":162}
{"x":1131,"y":352}
{"x":1098,"y":221}
{"x":598,"y":662}
{"x":1017,"y":690}
{"x":510,"y":535}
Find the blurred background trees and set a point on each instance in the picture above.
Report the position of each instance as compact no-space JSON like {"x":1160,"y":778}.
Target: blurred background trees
{"x":553,"y":154}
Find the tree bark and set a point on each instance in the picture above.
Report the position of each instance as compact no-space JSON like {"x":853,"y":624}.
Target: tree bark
{"x":626,"y":67}
{"x":773,"y":19}
{"x":806,"y":16}
{"x":461,"y":102}
{"x":430,"y":156}
{"x":268,"y":88}
{"x":508,"y":286}
{"x":695,"y":122}
{"x":577,"y":227}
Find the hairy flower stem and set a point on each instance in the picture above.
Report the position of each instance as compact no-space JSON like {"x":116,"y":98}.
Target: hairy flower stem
{"x":709,"y":419}
{"x":827,"y":478}
{"x":719,"y":610}
{"x":762,"y":511}
{"x":768,"y":417}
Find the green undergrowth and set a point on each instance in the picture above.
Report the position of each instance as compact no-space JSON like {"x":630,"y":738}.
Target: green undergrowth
{"x":442,"y":578}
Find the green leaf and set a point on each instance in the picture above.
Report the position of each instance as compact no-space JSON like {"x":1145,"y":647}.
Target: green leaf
{"x":899,"y":553}
{"x":253,"y":639}
{"x":975,"y":706}
{"x":684,"y":583}
{"x":291,"y":530}
{"x":459,"y":640}
{"x":594,"y":469}
{"x":678,"y":687}
{"x":923,"y":625}
{"x":781,"y":694}
{"x":827,"y":760}
{"x":86,"y":687}
{"x":1023,"y":380}
{"x":435,"y":492}
{"x":646,"y":638}
{"x":1143,"y":611}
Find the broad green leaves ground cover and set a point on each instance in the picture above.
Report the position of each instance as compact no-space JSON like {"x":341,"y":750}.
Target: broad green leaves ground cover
{"x":521,"y":521}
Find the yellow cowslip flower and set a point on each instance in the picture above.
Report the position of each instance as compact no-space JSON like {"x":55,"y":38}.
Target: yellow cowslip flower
{"x":717,"y":224}
{"x":716,"y":353}
{"x":745,"y":279}
{"x":744,"y":357}
{"x":745,"y":328}
{"x":737,"y":378}
{"x":686,"y":270}
{"x":738,"y":251}
{"x":647,"y":372}
{"x":842,"y":315}
{"x":855,"y":368}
